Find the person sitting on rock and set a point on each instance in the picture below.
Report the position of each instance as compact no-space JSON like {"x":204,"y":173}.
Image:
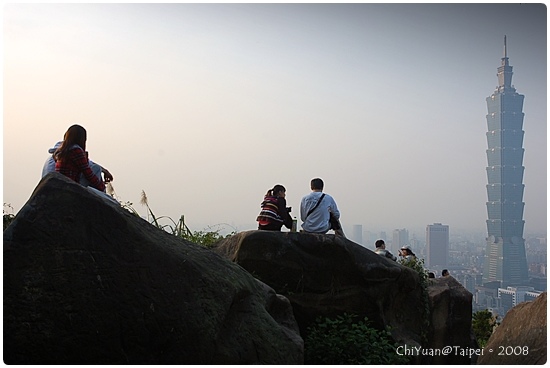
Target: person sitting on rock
{"x":381,"y":250}
{"x":49,"y":166}
{"x":319,"y":212}
{"x":274,"y":213}
{"x":71,"y":158}
{"x":406,"y":253}
{"x":445,"y":273}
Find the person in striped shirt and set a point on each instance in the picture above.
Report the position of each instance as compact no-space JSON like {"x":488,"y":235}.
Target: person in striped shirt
{"x":274,"y":213}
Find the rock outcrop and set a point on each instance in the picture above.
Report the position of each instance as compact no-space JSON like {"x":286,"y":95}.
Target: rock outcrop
{"x":87,"y":282}
{"x":521,"y":337}
{"x":327,"y":275}
{"x":451,"y":321}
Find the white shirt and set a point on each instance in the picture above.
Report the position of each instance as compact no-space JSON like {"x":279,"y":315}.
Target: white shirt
{"x":318,"y":220}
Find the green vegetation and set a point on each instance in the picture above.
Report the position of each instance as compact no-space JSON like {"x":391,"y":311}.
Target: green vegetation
{"x":483,"y":323}
{"x":418,"y":265}
{"x":207,"y":237}
{"x":348,"y":340}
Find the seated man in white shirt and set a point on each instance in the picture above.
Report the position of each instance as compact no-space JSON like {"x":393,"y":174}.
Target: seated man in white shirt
{"x":316,"y":209}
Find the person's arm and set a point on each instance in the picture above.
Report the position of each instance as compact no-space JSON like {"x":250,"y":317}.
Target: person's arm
{"x":81,"y":161}
{"x":287,"y":220}
{"x":303,"y":210}
{"x":334,"y":208}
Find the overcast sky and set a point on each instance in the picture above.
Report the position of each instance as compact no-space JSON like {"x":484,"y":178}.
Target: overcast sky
{"x":206,"y":106}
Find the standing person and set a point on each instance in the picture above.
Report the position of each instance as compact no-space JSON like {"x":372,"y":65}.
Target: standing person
{"x":381,"y":250}
{"x":407,"y":253}
{"x":49,"y":166}
{"x":71,"y":158}
{"x":274,"y":213}
{"x":316,"y":209}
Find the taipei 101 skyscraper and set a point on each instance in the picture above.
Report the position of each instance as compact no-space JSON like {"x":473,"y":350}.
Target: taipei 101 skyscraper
{"x":505,"y":259}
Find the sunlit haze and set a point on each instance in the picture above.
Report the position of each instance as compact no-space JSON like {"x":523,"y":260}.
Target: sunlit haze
{"x":207,"y":106}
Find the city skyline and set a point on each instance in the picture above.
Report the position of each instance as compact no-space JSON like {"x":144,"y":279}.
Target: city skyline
{"x":207,"y":106}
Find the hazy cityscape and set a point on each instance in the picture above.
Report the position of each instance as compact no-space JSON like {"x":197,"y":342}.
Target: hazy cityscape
{"x":387,"y":103}
{"x":466,"y":253}
{"x":504,"y":266}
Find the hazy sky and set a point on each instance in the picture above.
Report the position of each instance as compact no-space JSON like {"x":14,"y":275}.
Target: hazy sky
{"x":206,"y":106}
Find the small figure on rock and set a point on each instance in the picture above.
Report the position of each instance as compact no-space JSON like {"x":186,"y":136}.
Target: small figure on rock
{"x":71,"y":158}
{"x":49,"y":166}
{"x":274,"y":213}
{"x":319,"y":211}
{"x":406,"y":253}
{"x":381,"y":250}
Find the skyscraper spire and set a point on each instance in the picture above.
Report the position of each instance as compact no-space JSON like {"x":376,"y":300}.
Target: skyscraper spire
{"x":505,"y":53}
{"x":504,"y":72}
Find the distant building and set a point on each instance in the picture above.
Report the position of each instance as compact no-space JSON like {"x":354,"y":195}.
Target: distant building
{"x":400,"y":238}
{"x":505,"y":259}
{"x":437,"y":245}
{"x":512,"y":296}
{"x":357,"y":234}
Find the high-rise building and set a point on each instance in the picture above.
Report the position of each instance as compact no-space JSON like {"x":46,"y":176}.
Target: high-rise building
{"x":357,"y":234}
{"x":437,"y":245}
{"x":505,"y":259}
{"x":400,"y":238}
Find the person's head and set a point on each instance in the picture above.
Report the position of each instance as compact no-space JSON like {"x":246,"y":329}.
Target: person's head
{"x":380,"y":244}
{"x":445,"y":273}
{"x":278,"y":191}
{"x":317,"y":184}
{"x":431,"y":275}
{"x":406,"y":250}
{"x":74,"y":135}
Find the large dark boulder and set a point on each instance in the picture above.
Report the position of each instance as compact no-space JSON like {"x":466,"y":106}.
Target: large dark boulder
{"x":450,"y":322}
{"x":87,"y":282}
{"x":327,"y":275}
{"x":521,"y":337}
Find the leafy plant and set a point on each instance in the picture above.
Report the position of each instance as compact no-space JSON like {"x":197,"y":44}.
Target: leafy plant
{"x":418,"y":265}
{"x":207,"y":237}
{"x":483,"y":324}
{"x":348,"y":340}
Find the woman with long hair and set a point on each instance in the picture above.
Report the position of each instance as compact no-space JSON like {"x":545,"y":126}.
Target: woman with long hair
{"x":71,"y":158}
{"x":274,"y":213}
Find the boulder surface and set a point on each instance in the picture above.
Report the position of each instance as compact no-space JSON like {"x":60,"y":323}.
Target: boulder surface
{"x":88,"y":282}
{"x":521,"y":337}
{"x":327,"y":275}
{"x":450,"y":322}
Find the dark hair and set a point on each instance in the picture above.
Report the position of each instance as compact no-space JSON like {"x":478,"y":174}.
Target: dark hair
{"x":74,"y":135}
{"x":444,"y":272}
{"x":276,"y":189}
{"x":431,"y":275}
{"x":379,"y":243}
{"x":317,"y":184}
